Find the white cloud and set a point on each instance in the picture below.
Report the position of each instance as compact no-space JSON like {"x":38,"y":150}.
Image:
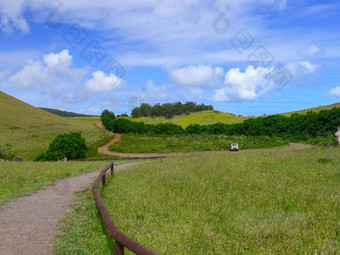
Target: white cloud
{"x":249,"y":85}
{"x":103,"y":82}
{"x":49,"y":72}
{"x":300,"y":68}
{"x":312,"y":50}
{"x":335,"y":92}
{"x":149,"y":94}
{"x":197,"y":76}
{"x":309,"y":67}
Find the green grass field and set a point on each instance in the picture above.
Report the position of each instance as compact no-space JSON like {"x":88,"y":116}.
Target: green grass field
{"x":203,"y":118}
{"x":131,"y":143}
{"x":25,"y":178}
{"x":30,"y":130}
{"x":260,"y":202}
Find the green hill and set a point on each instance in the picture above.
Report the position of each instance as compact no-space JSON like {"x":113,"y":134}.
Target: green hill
{"x":203,"y":118}
{"x":314,"y":109}
{"x":30,"y":130}
{"x":210,"y":117}
{"x":65,"y":113}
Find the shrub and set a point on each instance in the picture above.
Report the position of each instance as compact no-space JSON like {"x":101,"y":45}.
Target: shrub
{"x":71,"y":146}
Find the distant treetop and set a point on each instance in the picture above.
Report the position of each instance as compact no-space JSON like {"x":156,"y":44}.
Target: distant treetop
{"x":168,"y":110}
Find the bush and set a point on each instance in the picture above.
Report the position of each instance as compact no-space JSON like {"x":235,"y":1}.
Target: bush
{"x":71,"y":146}
{"x":5,"y":153}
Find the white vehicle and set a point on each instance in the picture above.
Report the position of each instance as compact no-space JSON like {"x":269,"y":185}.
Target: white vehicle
{"x":234,"y":147}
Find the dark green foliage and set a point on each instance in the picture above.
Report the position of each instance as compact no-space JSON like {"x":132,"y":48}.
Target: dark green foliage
{"x":168,"y":110}
{"x":108,"y":117}
{"x":65,"y":113}
{"x":123,"y":115}
{"x":71,"y":146}
{"x":5,"y":153}
{"x":297,"y":127}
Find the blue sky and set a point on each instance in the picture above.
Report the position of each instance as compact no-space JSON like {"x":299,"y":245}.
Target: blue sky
{"x":244,"y":57}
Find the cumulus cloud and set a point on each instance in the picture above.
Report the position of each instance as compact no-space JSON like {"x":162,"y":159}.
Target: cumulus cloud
{"x":54,"y":68}
{"x":197,"y":76}
{"x":103,"y":82}
{"x":335,"y":92}
{"x":248,"y":85}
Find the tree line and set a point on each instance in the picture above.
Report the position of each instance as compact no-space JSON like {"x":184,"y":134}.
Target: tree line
{"x":297,"y":126}
{"x":168,"y":110}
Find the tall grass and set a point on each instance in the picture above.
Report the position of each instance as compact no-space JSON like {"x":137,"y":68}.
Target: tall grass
{"x":259,"y":202}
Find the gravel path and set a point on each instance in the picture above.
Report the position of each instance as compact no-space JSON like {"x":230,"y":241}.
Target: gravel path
{"x":29,"y":224}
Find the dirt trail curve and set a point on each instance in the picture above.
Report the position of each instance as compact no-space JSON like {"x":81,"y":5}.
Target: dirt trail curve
{"x":29,"y":224}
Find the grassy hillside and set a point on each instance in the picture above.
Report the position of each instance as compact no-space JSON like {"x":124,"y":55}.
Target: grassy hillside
{"x":314,"y":109}
{"x":203,"y":118}
{"x":65,"y":113}
{"x":30,"y":130}
{"x":259,"y":202}
{"x":210,"y":117}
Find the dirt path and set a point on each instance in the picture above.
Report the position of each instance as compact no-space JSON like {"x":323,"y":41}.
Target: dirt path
{"x":105,"y":150}
{"x":29,"y":224}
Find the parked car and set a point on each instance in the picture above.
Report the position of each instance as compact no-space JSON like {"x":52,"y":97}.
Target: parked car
{"x":234,"y":147}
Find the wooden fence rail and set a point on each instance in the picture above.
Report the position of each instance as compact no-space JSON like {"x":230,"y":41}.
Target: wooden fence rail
{"x":121,"y":240}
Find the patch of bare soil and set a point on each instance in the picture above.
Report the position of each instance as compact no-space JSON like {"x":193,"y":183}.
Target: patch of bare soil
{"x":29,"y":224}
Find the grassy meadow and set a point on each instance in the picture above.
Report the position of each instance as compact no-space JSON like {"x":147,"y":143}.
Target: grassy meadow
{"x":202,"y":118}
{"x":30,"y":130}
{"x":258,"y":202}
{"x":25,"y":178}
{"x":132,"y":143}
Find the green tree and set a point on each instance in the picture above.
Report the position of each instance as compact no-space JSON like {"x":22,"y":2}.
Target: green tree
{"x":71,"y":146}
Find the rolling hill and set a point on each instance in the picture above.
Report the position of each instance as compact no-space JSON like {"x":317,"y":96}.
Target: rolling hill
{"x":65,"y":113}
{"x":30,"y":130}
{"x":210,"y":117}
{"x":314,"y":109}
{"x":203,"y":118}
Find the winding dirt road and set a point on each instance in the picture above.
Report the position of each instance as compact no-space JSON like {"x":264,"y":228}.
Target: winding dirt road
{"x":28,"y":225}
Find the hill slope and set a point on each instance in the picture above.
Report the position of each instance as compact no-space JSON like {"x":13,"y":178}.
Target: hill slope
{"x":203,"y":118}
{"x":30,"y":130}
{"x":65,"y":113}
{"x":210,"y":117}
{"x":314,"y":109}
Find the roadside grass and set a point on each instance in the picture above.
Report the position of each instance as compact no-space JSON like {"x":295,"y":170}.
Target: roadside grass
{"x":258,"y":202}
{"x":25,"y":178}
{"x":134,"y":143}
{"x":203,"y":118}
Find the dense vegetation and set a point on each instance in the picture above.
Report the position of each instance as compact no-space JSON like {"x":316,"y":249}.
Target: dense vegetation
{"x":168,"y":110}
{"x":70,"y":146}
{"x":133,"y":143}
{"x":297,"y":126}
{"x":256,"y":202}
{"x":65,"y":113}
